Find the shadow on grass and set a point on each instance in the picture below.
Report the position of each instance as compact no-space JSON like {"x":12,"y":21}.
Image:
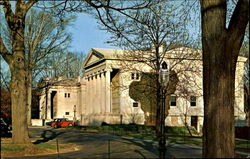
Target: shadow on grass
{"x":137,"y":151}
{"x":146,"y":145}
{"x":48,"y":135}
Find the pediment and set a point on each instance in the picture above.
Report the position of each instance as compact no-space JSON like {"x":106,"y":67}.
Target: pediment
{"x":93,"y":57}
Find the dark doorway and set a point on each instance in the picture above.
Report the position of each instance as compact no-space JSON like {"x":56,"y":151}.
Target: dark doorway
{"x":52,"y":103}
{"x":35,"y":111}
{"x":194,"y":121}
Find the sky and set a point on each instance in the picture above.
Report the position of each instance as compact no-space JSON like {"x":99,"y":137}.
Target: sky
{"x":86,"y":35}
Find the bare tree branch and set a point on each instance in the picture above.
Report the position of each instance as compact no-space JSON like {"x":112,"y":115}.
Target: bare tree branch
{"x":7,"y":11}
{"x":29,"y":4}
{"x":107,"y":5}
{"x":4,"y":52}
{"x":238,"y":23}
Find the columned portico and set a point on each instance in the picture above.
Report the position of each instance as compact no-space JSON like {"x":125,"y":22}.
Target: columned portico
{"x":98,"y":95}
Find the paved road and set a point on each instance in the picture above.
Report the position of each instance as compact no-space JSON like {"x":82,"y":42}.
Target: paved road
{"x":96,"y":145}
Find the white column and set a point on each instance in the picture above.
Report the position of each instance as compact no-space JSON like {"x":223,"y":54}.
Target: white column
{"x":42,"y":105}
{"x":95,"y":97}
{"x":86,"y":98}
{"x":91,"y":94}
{"x":49,"y":105}
{"x":108,"y":90}
{"x":103,"y":93}
{"x":99,"y":105}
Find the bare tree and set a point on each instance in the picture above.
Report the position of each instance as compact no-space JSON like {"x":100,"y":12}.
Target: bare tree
{"x":44,"y":35}
{"x":15,"y":57}
{"x":147,"y":35}
{"x":221,"y":46}
{"x":67,"y":65}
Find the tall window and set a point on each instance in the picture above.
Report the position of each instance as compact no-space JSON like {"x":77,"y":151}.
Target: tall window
{"x":173,"y":100}
{"x":193,"y":101}
{"x":68,"y":95}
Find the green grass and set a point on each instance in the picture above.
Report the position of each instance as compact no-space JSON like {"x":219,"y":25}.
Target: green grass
{"x":242,"y":144}
{"x":11,"y":147}
{"x":48,"y":146}
{"x":182,"y":131}
{"x":193,"y":141}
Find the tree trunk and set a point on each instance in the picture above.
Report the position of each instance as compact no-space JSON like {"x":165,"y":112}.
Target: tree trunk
{"x":19,"y":106}
{"x":220,"y":51}
{"x":158,"y":110}
{"x":18,"y":85}
{"x":247,"y":104}
{"x":29,"y":93}
{"x":218,"y":85}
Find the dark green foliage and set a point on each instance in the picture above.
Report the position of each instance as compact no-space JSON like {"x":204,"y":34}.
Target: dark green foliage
{"x":145,"y":91}
{"x":139,"y":131}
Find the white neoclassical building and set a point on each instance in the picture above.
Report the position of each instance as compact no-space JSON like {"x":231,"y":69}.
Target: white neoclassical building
{"x":102,"y":94}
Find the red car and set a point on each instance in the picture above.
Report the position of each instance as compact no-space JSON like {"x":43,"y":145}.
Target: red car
{"x":62,"y":122}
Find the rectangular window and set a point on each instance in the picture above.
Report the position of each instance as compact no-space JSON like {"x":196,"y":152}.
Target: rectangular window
{"x":173,"y":100}
{"x":65,"y":95}
{"x":66,"y":113}
{"x":193,"y":101}
{"x":135,"y":104}
{"x":132,"y":76}
{"x":137,"y":76}
{"x":68,"y":95}
{"x":194,"y":121}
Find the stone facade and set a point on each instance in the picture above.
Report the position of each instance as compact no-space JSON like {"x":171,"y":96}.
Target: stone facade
{"x":102,"y":95}
{"x":63,"y":98}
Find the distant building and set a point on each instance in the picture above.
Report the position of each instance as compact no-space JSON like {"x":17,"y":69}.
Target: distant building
{"x":102,"y":95}
{"x":63,"y":98}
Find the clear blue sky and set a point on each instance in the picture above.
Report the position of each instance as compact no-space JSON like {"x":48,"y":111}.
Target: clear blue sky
{"x":87,"y":35}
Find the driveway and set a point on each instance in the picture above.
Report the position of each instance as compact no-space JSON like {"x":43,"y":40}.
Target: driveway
{"x":103,"y":145}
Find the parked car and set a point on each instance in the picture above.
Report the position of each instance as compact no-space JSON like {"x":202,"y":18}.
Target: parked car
{"x":50,"y":122}
{"x":5,"y":129}
{"x":62,"y":122}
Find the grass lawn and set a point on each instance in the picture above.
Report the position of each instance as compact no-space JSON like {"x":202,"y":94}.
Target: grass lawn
{"x":12,"y":150}
{"x":17,"y":147}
